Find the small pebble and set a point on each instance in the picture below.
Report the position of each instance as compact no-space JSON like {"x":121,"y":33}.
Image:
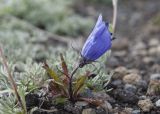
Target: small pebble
{"x":154,"y":87}
{"x":139,"y":46}
{"x":153,"y":51}
{"x":146,"y":105}
{"x":120,"y":53}
{"x":158,"y":103}
{"x":158,"y":50}
{"x":142,"y":85}
{"x":119,"y":72}
{"x":125,"y":96}
{"x":89,"y":111}
{"x":143,"y":97}
{"x":153,"y":42}
{"x":81,"y":104}
{"x":128,"y":110}
{"x":131,"y":78}
{"x":123,"y":112}
{"x":148,"y":60}
{"x":155,"y":77}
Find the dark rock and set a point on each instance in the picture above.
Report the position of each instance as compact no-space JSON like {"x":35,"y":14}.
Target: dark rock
{"x":71,"y":108}
{"x":125,"y":96}
{"x":131,"y":88}
{"x":115,"y":84}
{"x":32,"y":100}
{"x":154,"y":98}
{"x":142,"y":85}
{"x":87,"y":93}
{"x":45,"y":104}
{"x":39,"y":112}
{"x":100,"y":110}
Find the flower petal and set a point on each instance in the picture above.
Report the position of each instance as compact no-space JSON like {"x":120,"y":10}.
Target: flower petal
{"x":99,"y":20}
{"x":98,"y":42}
{"x":95,"y":49}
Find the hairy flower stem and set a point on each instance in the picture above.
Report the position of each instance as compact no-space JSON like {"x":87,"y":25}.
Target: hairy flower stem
{"x":10,"y":78}
{"x":70,"y":84}
{"x":115,"y":3}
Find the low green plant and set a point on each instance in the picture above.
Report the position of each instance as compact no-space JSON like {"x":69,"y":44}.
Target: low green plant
{"x":55,"y":16}
{"x":27,"y":79}
{"x":64,"y":87}
{"x":30,"y":76}
{"x":7,"y":105}
{"x":22,"y":52}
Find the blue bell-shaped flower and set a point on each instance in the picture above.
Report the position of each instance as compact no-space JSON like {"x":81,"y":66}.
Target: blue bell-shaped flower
{"x":98,"y":42}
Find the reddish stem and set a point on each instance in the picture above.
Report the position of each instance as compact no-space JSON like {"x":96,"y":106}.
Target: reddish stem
{"x":12,"y":82}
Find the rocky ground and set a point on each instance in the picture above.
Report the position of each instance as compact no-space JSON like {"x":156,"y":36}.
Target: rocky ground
{"x":135,"y":57}
{"x":135,"y":60}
